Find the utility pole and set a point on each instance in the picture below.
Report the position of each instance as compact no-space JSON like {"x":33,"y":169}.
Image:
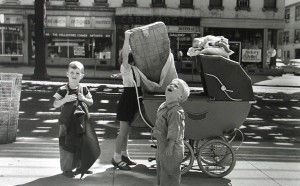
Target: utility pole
{"x":40,"y":70}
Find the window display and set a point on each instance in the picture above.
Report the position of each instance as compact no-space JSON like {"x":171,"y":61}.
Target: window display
{"x":11,"y":39}
{"x":76,"y":47}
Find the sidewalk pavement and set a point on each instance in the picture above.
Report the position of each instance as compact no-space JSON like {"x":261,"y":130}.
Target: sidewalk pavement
{"x":193,"y":78}
{"x":35,"y":162}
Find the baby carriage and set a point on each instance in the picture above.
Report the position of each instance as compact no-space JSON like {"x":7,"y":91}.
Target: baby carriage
{"x":212,"y":116}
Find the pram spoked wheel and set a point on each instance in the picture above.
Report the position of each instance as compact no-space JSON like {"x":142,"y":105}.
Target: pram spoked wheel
{"x":188,"y":158}
{"x":216,"y":158}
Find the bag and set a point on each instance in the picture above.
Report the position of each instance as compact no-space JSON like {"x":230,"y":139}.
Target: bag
{"x":150,"y":46}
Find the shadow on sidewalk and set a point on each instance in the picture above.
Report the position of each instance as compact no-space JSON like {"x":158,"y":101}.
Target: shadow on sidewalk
{"x":139,"y":175}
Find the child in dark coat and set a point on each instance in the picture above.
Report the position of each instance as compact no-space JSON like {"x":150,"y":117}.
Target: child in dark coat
{"x":74,"y":127}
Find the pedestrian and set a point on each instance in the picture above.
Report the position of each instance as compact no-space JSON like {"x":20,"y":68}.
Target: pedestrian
{"x":127,"y":106}
{"x":169,"y":132}
{"x":75,"y":150}
{"x":179,"y":60}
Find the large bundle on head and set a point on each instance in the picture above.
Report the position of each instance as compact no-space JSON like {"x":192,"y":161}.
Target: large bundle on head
{"x":210,"y":45}
{"x":150,"y":46}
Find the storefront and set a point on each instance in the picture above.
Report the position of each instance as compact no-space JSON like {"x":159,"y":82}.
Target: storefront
{"x":254,"y":42}
{"x":86,"y":39}
{"x":181,"y":30}
{"x":247,"y":44}
{"x":11,"y":38}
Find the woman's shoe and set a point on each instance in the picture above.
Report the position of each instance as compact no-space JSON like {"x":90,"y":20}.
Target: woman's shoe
{"x":79,"y":171}
{"x":69,"y":174}
{"x":127,"y":160}
{"x":121,"y":165}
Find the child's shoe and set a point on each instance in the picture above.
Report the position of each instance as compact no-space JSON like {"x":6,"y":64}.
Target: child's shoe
{"x":127,"y":160}
{"x":121,"y":165}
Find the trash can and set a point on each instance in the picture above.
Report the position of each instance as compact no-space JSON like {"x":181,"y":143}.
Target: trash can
{"x":10,"y":93}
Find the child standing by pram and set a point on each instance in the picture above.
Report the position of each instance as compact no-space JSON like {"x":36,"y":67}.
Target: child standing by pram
{"x":169,"y":132}
{"x":127,"y":106}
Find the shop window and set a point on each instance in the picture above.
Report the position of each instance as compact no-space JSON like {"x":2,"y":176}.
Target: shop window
{"x":286,"y":37}
{"x":129,"y":3}
{"x":297,"y":36}
{"x":80,"y":47}
{"x":288,"y":54}
{"x":287,"y":15}
{"x":11,"y":40}
{"x":216,"y":4}
{"x":270,"y":5}
{"x":186,"y":4}
{"x":242,"y":5}
{"x":158,"y":3}
{"x":297,"y":53}
{"x":297,"y":13}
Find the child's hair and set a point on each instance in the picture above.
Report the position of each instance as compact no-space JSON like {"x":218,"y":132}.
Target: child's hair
{"x":76,"y":65}
{"x":185,"y":89}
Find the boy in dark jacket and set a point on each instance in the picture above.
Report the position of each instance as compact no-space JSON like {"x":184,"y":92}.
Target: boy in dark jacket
{"x":74,"y":128}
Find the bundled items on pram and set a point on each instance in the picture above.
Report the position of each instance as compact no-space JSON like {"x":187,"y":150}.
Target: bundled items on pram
{"x":222,"y":78}
{"x":150,"y":46}
{"x":210,"y":45}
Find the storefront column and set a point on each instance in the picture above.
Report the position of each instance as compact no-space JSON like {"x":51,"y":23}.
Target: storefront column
{"x":26,"y":32}
{"x":265,"y":48}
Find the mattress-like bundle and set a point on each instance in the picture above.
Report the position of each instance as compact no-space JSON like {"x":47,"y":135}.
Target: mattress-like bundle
{"x":150,"y":46}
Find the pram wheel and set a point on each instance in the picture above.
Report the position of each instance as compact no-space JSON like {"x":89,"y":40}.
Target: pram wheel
{"x":188,"y":158}
{"x":216,"y":158}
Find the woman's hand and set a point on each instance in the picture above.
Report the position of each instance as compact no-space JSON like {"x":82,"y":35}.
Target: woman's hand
{"x":127,"y":34}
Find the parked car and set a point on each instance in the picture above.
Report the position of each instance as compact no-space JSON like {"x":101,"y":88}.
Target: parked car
{"x":292,"y":67}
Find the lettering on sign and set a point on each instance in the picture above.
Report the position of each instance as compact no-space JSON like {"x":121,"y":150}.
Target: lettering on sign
{"x":56,"y":21}
{"x":80,"y":22}
{"x":251,"y":55}
{"x":103,"y":22}
{"x":13,"y":19}
{"x":76,"y":35}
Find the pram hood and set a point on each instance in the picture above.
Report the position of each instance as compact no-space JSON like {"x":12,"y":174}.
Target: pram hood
{"x":224,"y":79}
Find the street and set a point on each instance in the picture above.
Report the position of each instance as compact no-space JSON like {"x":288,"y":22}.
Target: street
{"x":269,"y":154}
{"x":275,"y":117}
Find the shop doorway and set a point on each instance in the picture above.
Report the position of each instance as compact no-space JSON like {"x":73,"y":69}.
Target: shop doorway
{"x":235,"y":46}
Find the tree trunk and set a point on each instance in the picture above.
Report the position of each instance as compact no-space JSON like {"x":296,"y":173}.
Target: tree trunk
{"x":40,"y":71}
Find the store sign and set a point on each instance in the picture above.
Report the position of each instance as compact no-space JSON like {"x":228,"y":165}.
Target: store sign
{"x":56,"y":21}
{"x":13,"y":19}
{"x":103,"y":22}
{"x":10,"y":28}
{"x":74,"y":35}
{"x":251,"y":55}
{"x":80,"y":22}
{"x":179,"y":29}
{"x":79,"y":51}
{"x":144,"y":20}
